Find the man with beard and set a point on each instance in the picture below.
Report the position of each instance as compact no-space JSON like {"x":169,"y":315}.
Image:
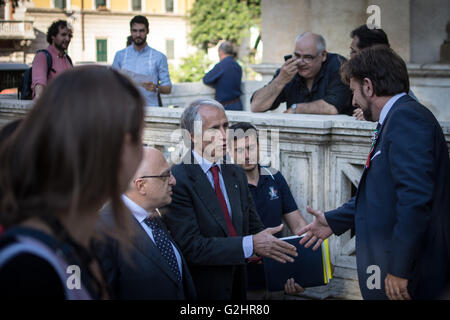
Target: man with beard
{"x":308,"y":82}
{"x":273,"y":200}
{"x":59,"y":35}
{"x":145,"y":65}
{"x":401,"y":211}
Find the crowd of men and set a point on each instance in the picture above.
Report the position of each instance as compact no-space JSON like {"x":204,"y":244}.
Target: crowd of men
{"x":200,"y":228}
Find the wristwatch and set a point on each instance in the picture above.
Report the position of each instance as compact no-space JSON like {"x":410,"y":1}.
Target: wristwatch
{"x":293,"y":107}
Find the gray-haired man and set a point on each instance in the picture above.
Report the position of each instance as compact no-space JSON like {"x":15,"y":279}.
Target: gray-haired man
{"x":309,"y":81}
{"x":226,"y":77}
{"x":212,"y":216}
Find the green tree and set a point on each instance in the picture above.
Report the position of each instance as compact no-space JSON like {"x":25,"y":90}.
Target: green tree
{"x":192,"y":69}
{"x":215,"y":20}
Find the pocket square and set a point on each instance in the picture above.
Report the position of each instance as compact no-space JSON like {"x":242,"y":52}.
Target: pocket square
{"x":376,"y":154}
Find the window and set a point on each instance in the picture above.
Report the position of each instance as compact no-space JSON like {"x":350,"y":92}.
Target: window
{"x":170,"y":49}
{"x":100,"y":4}
{"x":102,"y":50}
{"x":169,"y":5}
{"x":60,"y":4}
{"x":136,"y":5}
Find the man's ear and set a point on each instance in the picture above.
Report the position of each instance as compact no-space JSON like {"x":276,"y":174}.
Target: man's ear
{"x":324,"y":55}
{"x":367,"y":87}
{"x":140,"y":186}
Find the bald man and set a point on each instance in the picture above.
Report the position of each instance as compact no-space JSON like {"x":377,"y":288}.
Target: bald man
{"x":309,"y":82}
{"x":152,"y":267}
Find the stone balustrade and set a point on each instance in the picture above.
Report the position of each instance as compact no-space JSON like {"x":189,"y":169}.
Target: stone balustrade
{"x":321,"y":157}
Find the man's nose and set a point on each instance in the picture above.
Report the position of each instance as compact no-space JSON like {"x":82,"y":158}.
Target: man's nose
{"x":172,"y":180}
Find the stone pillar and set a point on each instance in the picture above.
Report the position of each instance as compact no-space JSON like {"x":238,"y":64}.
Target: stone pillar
{"x":395,"y":21}
{"x":428,"y":22}
{"x":445,"y":47}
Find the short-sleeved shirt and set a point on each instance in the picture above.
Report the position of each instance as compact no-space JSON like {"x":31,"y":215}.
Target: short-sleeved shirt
{"x":327,"y":85}
{"x":60,"y":63}
{"x":272,"y":197}
{"x":226,"y":78}
{"x":148,"y":64}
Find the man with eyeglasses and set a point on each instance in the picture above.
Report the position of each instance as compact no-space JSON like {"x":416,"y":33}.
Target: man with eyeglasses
{"x":152,"y":267}
{"x":309,"y":82}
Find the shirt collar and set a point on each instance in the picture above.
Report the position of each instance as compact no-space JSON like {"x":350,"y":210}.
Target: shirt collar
{"x":52,"y":49}
{"x":389,"y":105}
{"x":204,"y":164}
{"x":146,"y":48}
{"x":138,"y":212}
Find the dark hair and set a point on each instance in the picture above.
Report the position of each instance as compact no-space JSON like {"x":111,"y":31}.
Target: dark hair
{"x":53,"y":30}
{"x":242,"y":129}
{"x":65,"y":157}
{"x":139,"y":19}
{"x":382,"y":66}
{"x":369,"y":37}
{"x":8,"y":129}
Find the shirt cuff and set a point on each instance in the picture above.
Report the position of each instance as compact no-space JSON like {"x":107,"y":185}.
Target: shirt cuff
{"x":247,"y":245}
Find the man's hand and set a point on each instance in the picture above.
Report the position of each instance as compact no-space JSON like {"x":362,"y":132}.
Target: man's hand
{"x":317,"y":231}
{"x":149,"y":86}
{"x":265,"y":244}
{"x":289,"y":110}
{"x":396,"y":288}
{"x":358,"y":114}
{"x":292,"y":287}
{"x":288,"y":70}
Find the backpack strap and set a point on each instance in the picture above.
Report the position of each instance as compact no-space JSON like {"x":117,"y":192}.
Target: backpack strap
{"x":12,"y":236}
{"x":49,"y":61}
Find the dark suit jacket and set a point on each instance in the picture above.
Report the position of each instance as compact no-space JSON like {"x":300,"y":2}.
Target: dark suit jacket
{"x":141,"y":273}
{"x":401,"y":211}
{"x":198,"y":225}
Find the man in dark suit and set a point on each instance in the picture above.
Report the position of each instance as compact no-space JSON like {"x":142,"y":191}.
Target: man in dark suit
{"x":212,"y":216}
{"x":151,"y":266}
{"x":226,"y":77}
{"x":401,"y":212}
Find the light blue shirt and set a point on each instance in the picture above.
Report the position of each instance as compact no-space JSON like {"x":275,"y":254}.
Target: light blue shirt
{"x":387,"y":107}
{"x":149,"y":63}
{"x":141,"y":214}
{"x":247,"y":241}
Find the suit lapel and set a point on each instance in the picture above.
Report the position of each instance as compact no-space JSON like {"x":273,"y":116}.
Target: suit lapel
{"x":380,"y":137}
{"x":206,"y":194}
{"x":142,"y":242}
{"x":229,"y":177}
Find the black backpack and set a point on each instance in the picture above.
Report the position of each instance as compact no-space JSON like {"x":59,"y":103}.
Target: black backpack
{"x":25,"y":91}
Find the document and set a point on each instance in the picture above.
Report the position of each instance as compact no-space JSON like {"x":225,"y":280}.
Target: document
{"x":309,"y":269}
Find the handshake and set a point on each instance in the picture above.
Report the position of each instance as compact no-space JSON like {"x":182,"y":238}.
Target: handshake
{"x":267,"y":245}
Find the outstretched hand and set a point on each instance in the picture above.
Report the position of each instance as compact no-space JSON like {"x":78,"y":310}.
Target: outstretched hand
{"x":267,"y":245}
{"x":315,"y":232}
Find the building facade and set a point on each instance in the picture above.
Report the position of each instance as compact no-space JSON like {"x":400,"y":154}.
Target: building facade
{"x":101,"y":27}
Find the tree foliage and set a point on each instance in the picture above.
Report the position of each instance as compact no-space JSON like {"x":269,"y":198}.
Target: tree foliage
{"x":215,"y":20}
{"x":192,"y":69}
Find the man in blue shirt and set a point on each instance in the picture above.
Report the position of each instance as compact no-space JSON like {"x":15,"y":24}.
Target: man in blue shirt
{"x":145,"y":65}
{"x":226,"y":78}
{"x":309,"y":82}
{"x":273,"y":200}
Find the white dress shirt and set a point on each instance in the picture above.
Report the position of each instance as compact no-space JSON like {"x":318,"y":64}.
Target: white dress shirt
{"x":141,"y":214}
{"x":247,"y":241}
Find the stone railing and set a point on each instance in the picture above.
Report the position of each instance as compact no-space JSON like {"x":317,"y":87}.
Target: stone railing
{"x":16,"y":30}
{"x":321,"y":157}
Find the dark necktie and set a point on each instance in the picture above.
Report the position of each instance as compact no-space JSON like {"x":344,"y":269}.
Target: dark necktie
{"x":164,"y":245}
{"x":222,"y":202}
{"x":374,"y":141}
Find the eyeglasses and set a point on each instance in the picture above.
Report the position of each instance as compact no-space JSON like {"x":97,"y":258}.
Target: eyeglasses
{"x":307,"y":58}
{"x":164,"y":176}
